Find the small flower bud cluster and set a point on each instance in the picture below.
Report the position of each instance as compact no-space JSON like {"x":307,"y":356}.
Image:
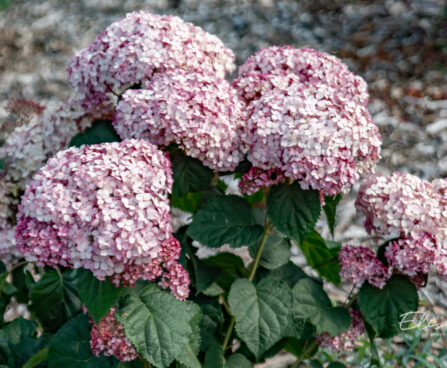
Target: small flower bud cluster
{"x":257,"y":178}
{"x":130,"y":51}
{"x":359,"y":264}
{"x":277,"y":67}
{"x":414,"y":211}
{"x":105,"y":208}
{"x":199,"y":112}
{"x":312,"y":134}
{"x":108,"y":337}
{"x":346,"y":340}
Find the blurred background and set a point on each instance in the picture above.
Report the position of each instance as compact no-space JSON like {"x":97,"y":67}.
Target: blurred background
{"x":398,"y":46}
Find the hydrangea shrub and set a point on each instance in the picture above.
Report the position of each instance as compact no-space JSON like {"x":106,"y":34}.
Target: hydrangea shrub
{"x":93,"y":189}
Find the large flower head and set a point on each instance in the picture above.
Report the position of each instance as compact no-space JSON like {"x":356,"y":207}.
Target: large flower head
{"x":277,"y":67}
{"x":313,"y":135}
{"x":412,"y":210}
{"x":104,"y":208}
{"x":131,"y":50}
{"x":199,"y":112}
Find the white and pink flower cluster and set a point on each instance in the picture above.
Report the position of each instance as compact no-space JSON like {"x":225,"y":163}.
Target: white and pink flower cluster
{"x":104,"y":208}
{"x":359,"y":264}
{"x":41,"y":134}
{"x":411,"y":214}
{"x":307,"y":117}
{"x":198,"y":111}
{"x":108,"y":337}
{"x":413,"y":210}
{"x":346,"y":340}
{"x":169,"y":77}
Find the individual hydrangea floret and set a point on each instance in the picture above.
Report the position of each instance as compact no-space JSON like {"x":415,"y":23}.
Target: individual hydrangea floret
{"x":277,"y":67}
{"x":108,"y":337}
{"x":105,"y":208}
{"x":359,"y":264}
{"x":257,"y":178}
{"x":131,"y":50}
{"x":199,"y":112}
{"x":346,"y":340}
{"x":313,"y":135}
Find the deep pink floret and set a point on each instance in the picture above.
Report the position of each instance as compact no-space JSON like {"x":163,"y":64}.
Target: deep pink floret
{"x":104,"y":208}
{"x":257,"y":178}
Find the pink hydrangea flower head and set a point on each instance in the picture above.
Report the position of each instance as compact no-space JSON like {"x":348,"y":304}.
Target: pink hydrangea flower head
{"x":412,"y":256}
{"x":199,"y":112}
{"x":277,"y":67}
{"x":401,"y":205}
{"x":313,"y":135}
{"x":257,"y":178}
{"x":108,"y":337}
{"x":105,"y":208}
{"x":346,"y":340}
{"x":131,"y":50}
{"x":359,"y":264}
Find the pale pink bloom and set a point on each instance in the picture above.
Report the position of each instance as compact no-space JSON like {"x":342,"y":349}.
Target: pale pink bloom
{"x":105,"y":208}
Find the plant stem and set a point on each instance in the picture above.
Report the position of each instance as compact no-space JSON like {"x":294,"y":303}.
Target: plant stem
{"x":306,"y":352}
{"x":250,"y":277}
{"x":228,"y":334}
{"x":259,"y":252}
{"x":146,"y":364}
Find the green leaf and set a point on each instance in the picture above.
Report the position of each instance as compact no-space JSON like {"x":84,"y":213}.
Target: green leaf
{"x":322,"y":258}
{"x":70,"y":347}
{"x":238,"y":361}
{"x":225,"y":220}
{"x":375,"y":358}
{"x":211,"y":325}
{"x":189,"y":174}
{"x":188,"y":356}
{"x":314,"y":363}
{"x":311,"y":302}
{"x":383,"y":308}
{"x":336,"y":365}
{"x":188,"y":203}
{"x":293,"y":211}
{"x":24,"y":282}
{"x":98,"y":296}
{"x":2,"y":164}
{"x":276,"y":252}
{"x":214,"y":357}
{"x":54,"y":299}
{"x":261,"y":312}
{"x":36,"y":359}
{"x":18,"y":342}
{"x":100,"y":132}
{"x":156,"y":323}
{"x":290,"y":273}
{"x":330,"y":209}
